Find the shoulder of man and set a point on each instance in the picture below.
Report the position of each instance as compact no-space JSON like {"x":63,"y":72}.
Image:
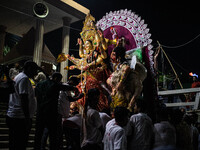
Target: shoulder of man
{"x":20,"y":76}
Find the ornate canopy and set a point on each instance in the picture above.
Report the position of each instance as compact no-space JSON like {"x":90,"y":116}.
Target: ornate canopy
{"x":129,"y":25}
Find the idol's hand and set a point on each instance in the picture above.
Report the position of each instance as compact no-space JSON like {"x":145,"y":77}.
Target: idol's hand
{"x":100,"y":32}
{"x":113,"y":91}
{"x":86,"y":67}
{"x":131,"y":104}
{"x":92,"y":24}
{"x":79,"y":41}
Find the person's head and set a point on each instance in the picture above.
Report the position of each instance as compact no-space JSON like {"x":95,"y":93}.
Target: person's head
{"x":194,"y":79}
{"x":163,"y":114}
{"x":93,"y":97}
{"x":30,"y":69}
{"x":187,"y":118}
{"x":121,"y":115}
{"x":193,"y":117}
{"x":121,"y":42}
{"x":140,"y":105}
{"x":17,"y":66}
{"x":57,"y":77}
{"x":176,"y":116}
{"x":73,"y":81}
{"x":42,"y":67}
{"x":118,"y":54}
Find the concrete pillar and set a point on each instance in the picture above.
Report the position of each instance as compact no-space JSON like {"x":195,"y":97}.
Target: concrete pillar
{"x":65,"y":46}
{"x":2,"y":41}
{"x":37,"y":54}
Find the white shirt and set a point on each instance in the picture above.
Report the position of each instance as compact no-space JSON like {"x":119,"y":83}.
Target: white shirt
{"x":114,"y":137}
{"x":22,"y":86}
{"x":104,"y":118}
{"x":165,"y":134}
{"x":142,"y":132}
{"x":76,"y":119}
{"x":93,"y":123}
{"x":127,"y":127}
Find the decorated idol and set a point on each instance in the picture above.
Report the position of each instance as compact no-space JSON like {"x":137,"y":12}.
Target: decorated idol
{"x":92,"y":51}
{"x":129,"y":55}
{"x":124,"y":39}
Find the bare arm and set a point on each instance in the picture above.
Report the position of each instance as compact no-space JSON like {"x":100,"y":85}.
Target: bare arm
{"x":67,"y":87}
{"x":72,"y":99}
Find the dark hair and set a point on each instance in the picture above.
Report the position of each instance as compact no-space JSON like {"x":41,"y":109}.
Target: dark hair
{"x":75,"y":80}
{"x":176,"y":116}
{"x":197,"y":79}
{"x":163,"y":114}
{"x":92,"y":93}
{"x":120,"y":53}
{"x":120,"y":113}
{"x":30,"y":64}
{"x":140,"y":102}
{"x":56,"y":75}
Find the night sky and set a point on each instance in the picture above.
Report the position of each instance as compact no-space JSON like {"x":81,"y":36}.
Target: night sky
{"x":172,"y":23}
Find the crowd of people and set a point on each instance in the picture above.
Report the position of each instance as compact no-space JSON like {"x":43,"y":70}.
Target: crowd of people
{"x":58,"y":113}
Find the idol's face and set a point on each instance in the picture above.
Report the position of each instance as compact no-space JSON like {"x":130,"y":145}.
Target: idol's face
{"x":88,"y":45}
{"x":113,"y":57}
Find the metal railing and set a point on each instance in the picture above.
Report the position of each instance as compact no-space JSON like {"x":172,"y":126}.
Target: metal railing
{"x":182,"y":91}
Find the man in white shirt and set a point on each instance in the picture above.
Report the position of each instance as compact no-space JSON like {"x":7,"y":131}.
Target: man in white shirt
{"x":65,"y":97}
{"x":14,"y":71}
{"x":22,"y":107}
{"x":115,"y":135}
{"x":165,"y":132}
{"x":142,"y":128}
{"x":92,"y":128}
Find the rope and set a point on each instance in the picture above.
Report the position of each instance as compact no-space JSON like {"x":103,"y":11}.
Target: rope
{"x":182,"y":44}
{"x":171,"y":65}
